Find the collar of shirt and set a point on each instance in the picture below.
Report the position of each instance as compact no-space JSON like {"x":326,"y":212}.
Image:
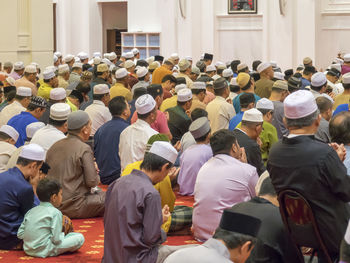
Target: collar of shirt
{"x":220,"y":98}
{"x":140,"y":122}
{"x":242,"y":131}
{"x":98,"y":102}
{"x":218,"y":246}
{"x":46,"y":204}
{"x":297,"y":135}
{"x":17,"y":103}
{"x":141,"y":174}
{"x":17,"y":170}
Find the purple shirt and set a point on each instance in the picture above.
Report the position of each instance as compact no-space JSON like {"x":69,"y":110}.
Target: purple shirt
{"x":15,"y":75}
{"x":222,"y":182}
{"x":345,"y":69}
{"x":132,"y":220}
{"x":192,"y":159}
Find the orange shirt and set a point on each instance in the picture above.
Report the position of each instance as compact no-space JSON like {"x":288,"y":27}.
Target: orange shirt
{"x":159,"y":74}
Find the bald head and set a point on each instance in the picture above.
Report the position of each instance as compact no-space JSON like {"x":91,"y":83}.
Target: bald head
{"x":339,"y":128}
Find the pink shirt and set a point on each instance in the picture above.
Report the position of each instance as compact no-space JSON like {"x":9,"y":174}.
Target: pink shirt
{"x":160,"y":125}
{"x":345,"y":69}
{"x":208,"y":97}
{"x":222,"y":182}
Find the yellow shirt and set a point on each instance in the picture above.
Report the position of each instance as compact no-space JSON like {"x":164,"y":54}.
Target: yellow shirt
{"x":119,"y":90}
{"x":196,"y":103}
{"x":341,"y":99}
{"x":71,"y":105}
{"x":164,"y":188}
{"x":44,"y":90}
{"x":168,"y":103}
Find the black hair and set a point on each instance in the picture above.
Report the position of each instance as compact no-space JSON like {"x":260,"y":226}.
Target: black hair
{"x":323,"y":104}
{"x":267,"y":188}
{"x":47,"y":188}
{"x":142,"y":63}
{"x":220,"y":92}
{"x":234,"y":65}
{"x":98,"y":96}
{"x":234,"y":88}
{"x":86,"y":66}
{"x":169,"y":77}
{"x":24,"y":161}
{"x":83,"y":87}
{"x":19,"y":97}
{"x":145,"y":116}
{"x":318,"y":88}
{"x":245,"y":99}
{"x":57,"y":123}
{"x":117,"y":105}
{"x":339,"y":127}
{"x":198,"y":113}
{"x":221,"y":141}
{"x":247,"y":86}
{"x":255,"y":64}
{"x":346,"y":86}
{"x":232,"y":239}
{"x":32,"y":107}
{"x":152,"y":162}
{"x":155,"y":90}
{"x":219,"y":71}
{"x":182,"y":103}
{"x":264,"y":111}
{"x":4,"y":136}
{"x":309,"y":70}
{"x":77,"y":95}
{"x":197,"y":91}
{"x":139,"y":92}
{"x":180,"y":80}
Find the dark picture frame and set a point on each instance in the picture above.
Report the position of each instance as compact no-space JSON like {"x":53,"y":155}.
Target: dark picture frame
{"x":242,"y":6}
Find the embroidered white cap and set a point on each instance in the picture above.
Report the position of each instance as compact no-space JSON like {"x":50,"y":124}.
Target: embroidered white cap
{"x":278,"y":75}
{"x":227,"y":73}
{"x":48,"y":74}
{"x":30,"y":69}
{"x":180,"y":87}
{"x":97,"y":54}
{"x":10,"y":131}
{"x":112,"y":56}
{"x":145,"y":104}
{"x":252,"y":115}
{"x":58,"y":94}
{"x":141,"y":72}
{"x":211,"y":67}
{"x":60,"y":111}
{"x":241,"y":66}
{"x":299,"y":104}
{"x":199,"y":85}
{"x":33,"y":152}
{"x":129,"y":55}
{"x":129,"y":64}
{"x":63,"y":68}
{"x":262,"y":66}
{"x":18,"y":65}
{"x":77,"y":65}
{"x":265,"y":104}
{"x":68,"y":58}
{"x":184,"y":95}
{"x":346,"y":78}
{"x":58,"y":54}
{"x":174,"y":56}
{"x":101,"y":89}
{"x":55,"y":58}
{"x":33,"y":127}
{"x":121,"y":73}
{"x":347,"y":57}
{"x":184,"y":64}
{"x":24,"y":91}
{"x":135,"y":51}
{"x":189,"y":58}
{"x":96,"y":60}
{"x":83,"y":55}
{"x":318,"y":79}
{"x":164,"y":150}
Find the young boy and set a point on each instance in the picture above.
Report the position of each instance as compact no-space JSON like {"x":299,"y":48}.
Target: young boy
{"x":41,"y":229}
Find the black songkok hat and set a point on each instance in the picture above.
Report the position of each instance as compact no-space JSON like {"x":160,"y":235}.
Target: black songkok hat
{"x":208,"y":56}
{"x":155,"y":90}
{"x":289,"y":72}
{"x":239,"y":223}
{"x":158,"y":58}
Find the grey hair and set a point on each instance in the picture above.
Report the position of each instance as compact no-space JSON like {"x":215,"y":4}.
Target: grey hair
{"x":303,"y":122}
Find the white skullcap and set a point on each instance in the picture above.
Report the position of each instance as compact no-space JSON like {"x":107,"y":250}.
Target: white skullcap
{"x":347,"y":57}
{"x":252,"y":115}
{"x":189,"y":58}
{"x":299,"y":104}
{"x":63,"y":68}
{"x":145,"y":104}
{"x":33,"y":152}
{"x":202,"y":56}
{"x":346,"y":78}
{"x":241,"y":66}
{"x":180,"y":87}
{"x":141,"y":72}
{"x":327,"y":97}
{"x":112,"y":67}
{"x":68,"y":58}
{"x":150,"y":60}
{"x":101,"y":89}
{"x":77,"y":59}
{"x":164,"y":150}
{"x":174,"y":56}
{"x":184,"y":64}
{"x":106,"y":55}
{"x":97,"y":54}
{"x":48,"y":74}
{"x":10,"y":131}
{"x":77,"y":65}
{"x":129,"y":64}
{"x":10,"y":81}
{"x":233,"y":82}
{"x":347,"y":234}
{"x":137,"y":68}
{"x":58,"y":94}
{"x":184,"y":95}
{"x":339,"y":61}
{"x":35,"y":64}
{"x":227,"y":73}
{"x":96,"y":60}
{"x":106,"y":61}
{"x":121,"y":73}
{"x":55,"y":58}
{"x":219,"y":63}
{"x":262,"y":66}
{"x":336,"y":66}
{"x":18,"y":65}
{"x":112,"y":56}
{"x":129,"y":55}
{"x":278,"y":75}
{"x":265,"y":104}
{"x":318,"y":79}
{"x":135,"y":51}
{"x":58,"y":54}
{"x":52,"y":68}
{"x":30,"y":69}
{"x":33,"y":127}
{"x":60,"y":111}
{"x":83,"y":55}
{"x":211,"y":67}
{"x":123,"y":54}
{"x":273,"y":64}
{"x":195,"y":70}
{"x":199,"y":85}
{"x":24,"y":91}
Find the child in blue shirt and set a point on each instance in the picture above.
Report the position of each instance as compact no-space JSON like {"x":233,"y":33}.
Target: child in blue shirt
{"x":41,"y":229}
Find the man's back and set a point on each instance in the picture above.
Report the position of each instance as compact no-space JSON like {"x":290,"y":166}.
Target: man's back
{"x":263,"y":88}
{"x":221,"y":182}
{"x":314,"y":169}
{"x":220,"y":112}
{"x":178,"y":123}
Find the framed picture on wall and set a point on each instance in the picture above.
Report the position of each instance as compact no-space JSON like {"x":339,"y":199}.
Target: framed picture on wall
{"x":242,"y":6}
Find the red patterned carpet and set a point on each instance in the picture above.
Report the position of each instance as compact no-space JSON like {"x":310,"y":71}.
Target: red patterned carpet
{"x":92,"y":250}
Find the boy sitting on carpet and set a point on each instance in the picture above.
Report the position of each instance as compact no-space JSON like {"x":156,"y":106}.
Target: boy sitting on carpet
{"x":41,"y":229}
